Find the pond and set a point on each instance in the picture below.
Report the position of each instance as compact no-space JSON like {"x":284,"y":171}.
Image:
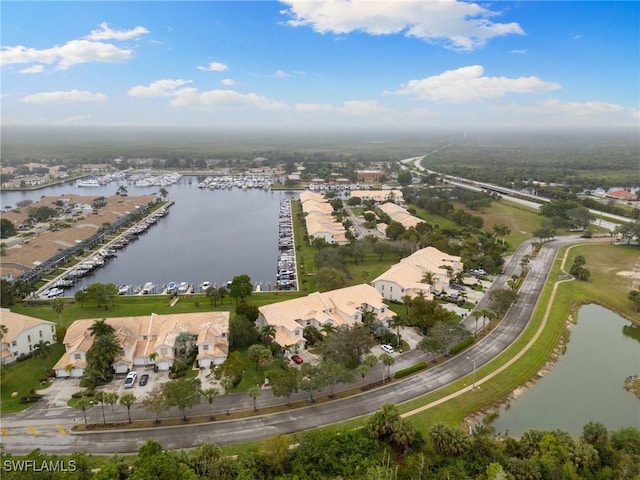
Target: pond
{"x":586,"y":384}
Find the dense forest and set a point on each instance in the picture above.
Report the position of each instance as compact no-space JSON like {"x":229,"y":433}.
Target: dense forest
{"x":388,"y":447}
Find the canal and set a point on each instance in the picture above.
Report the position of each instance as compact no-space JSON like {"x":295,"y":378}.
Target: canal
{"x":586,"y":384}
{"x":208,"y":235}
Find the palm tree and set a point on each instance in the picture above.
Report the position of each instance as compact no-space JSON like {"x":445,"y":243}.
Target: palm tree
{"x":268,"y":333}
{"x":427,"y":277}
{"x":43,"y":349}
{"x":487,"y":313}
{"x":254,"y":392}
{"x":260,"y":355}
{"x":163,"y":193}
{"x":210,"y":394}
{"x":398,"y":321}
{"x":327,"y":328}
{"x":128,"y":399}
{"x":99,"y":396}
{"x":501,"y":230}
{"x":362,"y":369}
{"x":101,"y":328}
{"x":58,"y":306}
{"x":476,"y":314}
{"x":387,"y":360}
{"x":68,"y":368}
{"x":122,"y":191}
{"x":83,"y":404}
{"x":111,"y":398}
{"x":226,"y":383}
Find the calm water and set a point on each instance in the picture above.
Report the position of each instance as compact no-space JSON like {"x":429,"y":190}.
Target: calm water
{"x":208,"y":235}
{"x":587,"y":382}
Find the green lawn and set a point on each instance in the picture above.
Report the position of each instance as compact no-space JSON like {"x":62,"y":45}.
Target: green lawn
{"x":23,"y":376}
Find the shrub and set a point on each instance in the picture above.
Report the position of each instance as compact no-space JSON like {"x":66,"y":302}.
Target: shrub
{"x":458,"y":347}
{"x":409,"y":370}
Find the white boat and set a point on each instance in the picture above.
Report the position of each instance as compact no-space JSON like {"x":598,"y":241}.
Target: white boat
{"x":124,"y":289}
{"x":88,"y":183}
{"x":183,"y":287}
{"x":204,"y":286}
{"x":172,"y":287}
{"x":148,"y":288}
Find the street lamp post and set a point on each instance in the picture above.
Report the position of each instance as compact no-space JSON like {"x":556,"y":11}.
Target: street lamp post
{"x":473,"y":376}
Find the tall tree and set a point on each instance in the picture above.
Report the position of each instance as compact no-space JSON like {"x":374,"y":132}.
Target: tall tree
{"x":3,"y":331}
{"x":254,"y":392}
{"x":241,"y":287}
{"x":260,"y":355}
{"x":387,"y":360}
{"x":284,"y":382}
{"x":99,"y":396}
{"x":43,"y":349}
{"x":111,"y":398}
{"x":58,"y":305}
{"x":155,"y":402}
{"x":210,"y":394}
{"x":83,"y":404}
{"x":127,"y":400}
{"x":226,"y":383}
{"x":334,"y":373}
{"x":182,"y":393}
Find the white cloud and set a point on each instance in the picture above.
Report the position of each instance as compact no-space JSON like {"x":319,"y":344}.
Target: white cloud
{"x":457,"y":25}
{"x":228,"y":82}
{"x":33,"y":69}
{"x":71,"y":53}
{"x":71,"y":96}
{"x":106,"y":33}
{"x":159,"y":88}
{"x":214,"y":67}
{"x":223,"y":99}
{"x":349,"y":107}
{"x":556,"y":107}
{"x":281,"y":74}
{"x":469,"y":84}
{"x":521,"y":51}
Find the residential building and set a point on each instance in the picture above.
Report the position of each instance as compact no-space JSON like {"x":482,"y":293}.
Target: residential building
{"x":319,"y":219}
{"x":23,"y":334}
{"x":345,"y":306}
{"x":379,"y":196}
{"x":399,"y":214}
{"x":369,"y":176}
{"x":149,"y":340}
{"x":407,"y":277}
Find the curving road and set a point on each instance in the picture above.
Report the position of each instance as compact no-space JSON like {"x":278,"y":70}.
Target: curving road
{"x":255,"y":428}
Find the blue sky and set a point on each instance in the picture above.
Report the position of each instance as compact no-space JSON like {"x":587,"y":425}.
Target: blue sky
{"x":301,"y":64}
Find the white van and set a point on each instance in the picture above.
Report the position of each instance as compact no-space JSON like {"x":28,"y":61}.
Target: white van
{"x":387,"y":348}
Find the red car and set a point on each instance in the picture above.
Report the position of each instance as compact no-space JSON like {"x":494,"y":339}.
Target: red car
{"x":297,"y":359}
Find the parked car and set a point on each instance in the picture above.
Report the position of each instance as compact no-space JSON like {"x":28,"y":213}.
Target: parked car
{"x":130,"y":380}
{"x":387,"y":348}
{"x":297,"y":359}
{"x":143,"y":380}
{"x":458,"y":287}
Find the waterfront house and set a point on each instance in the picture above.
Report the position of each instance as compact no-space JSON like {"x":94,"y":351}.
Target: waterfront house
{"x":345,"y":306}
{"x":149,"y":340}
{"x":407,"y":277}
{"x":23,"y":334}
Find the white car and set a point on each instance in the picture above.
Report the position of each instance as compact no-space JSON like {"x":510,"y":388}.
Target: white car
{"x":387,"y":348}
{"x":130,"y":380}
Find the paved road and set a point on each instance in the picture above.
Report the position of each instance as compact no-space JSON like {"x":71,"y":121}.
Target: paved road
{"x":20,"y":440}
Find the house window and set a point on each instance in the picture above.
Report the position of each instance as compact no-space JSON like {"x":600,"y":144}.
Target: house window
{"x":28,"y":338}
{"x":40,"y":332}
{"x":163,"y":351}
{"x":53,"y":329}
{"x":391,"y":289}
{"x":205,"y":347}
{"x":308,"y":322}
{"x":77,"y":356}
{"x":402,"y":290}
{"x":144,"y":337}
{"x":14,"y":343}
{"x":30,"y":347}
{"x":122,"y":353}
{"x":382,"y":287}
{"x":297,"y":332}
{"x":224,"y":335}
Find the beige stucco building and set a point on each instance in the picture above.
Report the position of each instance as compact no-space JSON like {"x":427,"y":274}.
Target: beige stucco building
{"x":407,"y":276}
{"x":149,"y":340}
{"x":23,"y":334}
{"x":344,"y":306}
